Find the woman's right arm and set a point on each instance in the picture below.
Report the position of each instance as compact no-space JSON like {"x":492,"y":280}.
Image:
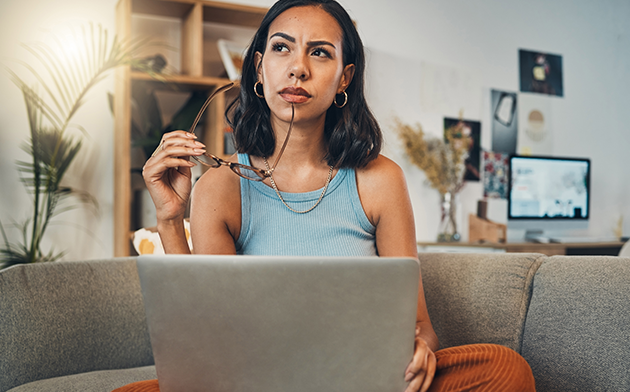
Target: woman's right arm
{"x":167,"y":176}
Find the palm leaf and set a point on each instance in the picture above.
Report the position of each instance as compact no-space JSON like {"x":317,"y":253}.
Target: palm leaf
{"x":73,"y":76}
{"x":60,"y":93}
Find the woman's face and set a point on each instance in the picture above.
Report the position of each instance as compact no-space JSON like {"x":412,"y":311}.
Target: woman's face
{"x":303,"y":64}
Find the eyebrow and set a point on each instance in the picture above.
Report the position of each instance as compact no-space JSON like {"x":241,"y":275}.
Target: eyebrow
{"x":310,"y":43}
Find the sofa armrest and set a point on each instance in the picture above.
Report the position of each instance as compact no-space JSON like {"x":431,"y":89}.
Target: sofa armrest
{"x":65,"y":318}
{"x":478,"y":298}
{"x":578,"y":324}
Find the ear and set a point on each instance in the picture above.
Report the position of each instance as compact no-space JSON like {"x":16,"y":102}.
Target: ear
{"x":258,"y":62}
{"x":346,"y":78}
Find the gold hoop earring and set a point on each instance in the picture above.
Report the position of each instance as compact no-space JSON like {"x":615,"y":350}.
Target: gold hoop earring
{"x":259,"y":95}
{"x":345,"y":100}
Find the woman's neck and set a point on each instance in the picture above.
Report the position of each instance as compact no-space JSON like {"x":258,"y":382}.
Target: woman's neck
{"x":306,"y":144}
{"x":301,"y":167}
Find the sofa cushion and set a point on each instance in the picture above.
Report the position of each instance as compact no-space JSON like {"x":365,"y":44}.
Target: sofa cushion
{"x":66,"y":318}
{"x":478,"y":298}
{"x":98,"y":381}
{"x":577,"y":331}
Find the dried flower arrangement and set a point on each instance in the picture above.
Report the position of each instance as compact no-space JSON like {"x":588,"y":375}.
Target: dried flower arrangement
{"x":443,"y":162}
{"x":441,"y":159}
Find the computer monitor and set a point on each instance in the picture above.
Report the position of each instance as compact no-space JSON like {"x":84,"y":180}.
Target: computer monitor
{"x":548,"y":194}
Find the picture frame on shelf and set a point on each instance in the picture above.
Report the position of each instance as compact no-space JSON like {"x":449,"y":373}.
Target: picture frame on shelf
{"x":232,"y":54}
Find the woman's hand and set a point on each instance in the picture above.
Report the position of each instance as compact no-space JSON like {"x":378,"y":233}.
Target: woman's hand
{"x":421,"y":370}
{"x":167,"y":174}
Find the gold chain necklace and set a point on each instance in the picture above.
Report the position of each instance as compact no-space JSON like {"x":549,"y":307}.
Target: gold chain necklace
{"x":275,"y":188}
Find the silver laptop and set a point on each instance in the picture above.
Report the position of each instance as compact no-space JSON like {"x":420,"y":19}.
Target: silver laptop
{"x":257,"y":324}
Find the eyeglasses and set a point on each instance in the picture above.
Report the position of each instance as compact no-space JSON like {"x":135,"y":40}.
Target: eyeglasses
{"x":245,"y":171}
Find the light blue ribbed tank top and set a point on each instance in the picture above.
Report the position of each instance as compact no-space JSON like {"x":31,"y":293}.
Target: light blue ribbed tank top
{"x":338,"y":226}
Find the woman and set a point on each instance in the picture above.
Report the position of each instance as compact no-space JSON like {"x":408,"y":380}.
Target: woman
{"x":328,"y":190}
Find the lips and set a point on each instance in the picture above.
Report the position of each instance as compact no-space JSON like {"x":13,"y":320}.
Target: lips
{"x":294,"y":94}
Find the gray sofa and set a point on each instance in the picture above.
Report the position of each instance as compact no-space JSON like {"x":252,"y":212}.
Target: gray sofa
{"x":80,"y":326}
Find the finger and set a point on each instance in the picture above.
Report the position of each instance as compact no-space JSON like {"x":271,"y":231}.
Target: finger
{"x":179,"y":151}
{"x":418,"y":363}
{"x":180,"y":142}
{"x":430,"y":373}
{"x":177,"y":138}
{"x":423,"y":378}
{"x":154,"y":169}
{"x":178,"y":171}
{"x":179,"y":133}
{"x":415,"y":384}
{"x":174,"y":163}
{"x":185,"y":170}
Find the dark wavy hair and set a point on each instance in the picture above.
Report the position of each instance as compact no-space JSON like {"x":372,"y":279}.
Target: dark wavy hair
{"x":353,"y":135}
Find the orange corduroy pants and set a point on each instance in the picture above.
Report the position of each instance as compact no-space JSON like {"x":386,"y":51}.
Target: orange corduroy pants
{"x":475,"y":367}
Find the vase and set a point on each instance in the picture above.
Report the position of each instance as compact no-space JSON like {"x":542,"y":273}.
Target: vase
{"x":447,"y":231}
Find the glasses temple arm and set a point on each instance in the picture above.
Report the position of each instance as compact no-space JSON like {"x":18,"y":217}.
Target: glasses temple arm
{"x":286,"y":139}
{"x":205,"y":105}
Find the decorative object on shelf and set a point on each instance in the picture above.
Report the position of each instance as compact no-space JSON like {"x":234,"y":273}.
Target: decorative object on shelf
{"x":482,"y":230}
{"x":52,"y":148}
{"x":232,"y":56}
{"x":147,"y":241}
{"x":447,"y":231}
{"x":154,"y":64}
{"x":443,"y":162}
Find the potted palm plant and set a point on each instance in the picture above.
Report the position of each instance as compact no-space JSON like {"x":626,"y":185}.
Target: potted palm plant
{"x":51,"y":104}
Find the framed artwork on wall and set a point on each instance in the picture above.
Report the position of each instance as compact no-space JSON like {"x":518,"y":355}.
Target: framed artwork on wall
{"x":540,"y":73}
{"x":472,"y":129}
{"x":535,"y":133}
{"x":504,"y":115}
{"x":495,"y":175}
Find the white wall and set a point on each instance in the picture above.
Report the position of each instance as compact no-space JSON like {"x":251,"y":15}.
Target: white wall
{"x":479,"y":38}
{"x":483,"y":38}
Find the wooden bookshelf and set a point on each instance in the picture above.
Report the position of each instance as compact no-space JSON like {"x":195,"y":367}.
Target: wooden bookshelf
{"x":192,"y":18}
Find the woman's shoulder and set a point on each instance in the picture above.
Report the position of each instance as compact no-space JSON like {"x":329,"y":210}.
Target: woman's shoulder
{"x":381,"y":184}
{"x":381,"y":170}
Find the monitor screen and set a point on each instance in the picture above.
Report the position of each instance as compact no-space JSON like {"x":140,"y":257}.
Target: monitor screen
{"x":546,"y":188}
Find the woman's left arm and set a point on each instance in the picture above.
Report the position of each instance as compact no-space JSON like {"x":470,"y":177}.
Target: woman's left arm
{"x":385,"y":199}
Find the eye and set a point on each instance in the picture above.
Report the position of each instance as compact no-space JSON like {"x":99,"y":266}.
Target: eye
{"x":279,"y":47}
{"x":321,"y":52}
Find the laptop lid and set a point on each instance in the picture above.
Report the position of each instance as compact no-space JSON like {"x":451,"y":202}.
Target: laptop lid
{"x":258,"y":323}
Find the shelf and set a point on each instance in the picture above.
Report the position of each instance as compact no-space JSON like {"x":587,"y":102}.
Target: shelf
{"x":193,"y":26}
{"x":212,"y":11}
{"x":184,"y":81}
{"x":609,"y":248}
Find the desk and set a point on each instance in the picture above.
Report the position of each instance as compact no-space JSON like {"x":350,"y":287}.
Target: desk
{"x":570,"y":249}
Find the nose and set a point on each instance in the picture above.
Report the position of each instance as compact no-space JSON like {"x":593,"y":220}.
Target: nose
{"x":299,"y":68}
